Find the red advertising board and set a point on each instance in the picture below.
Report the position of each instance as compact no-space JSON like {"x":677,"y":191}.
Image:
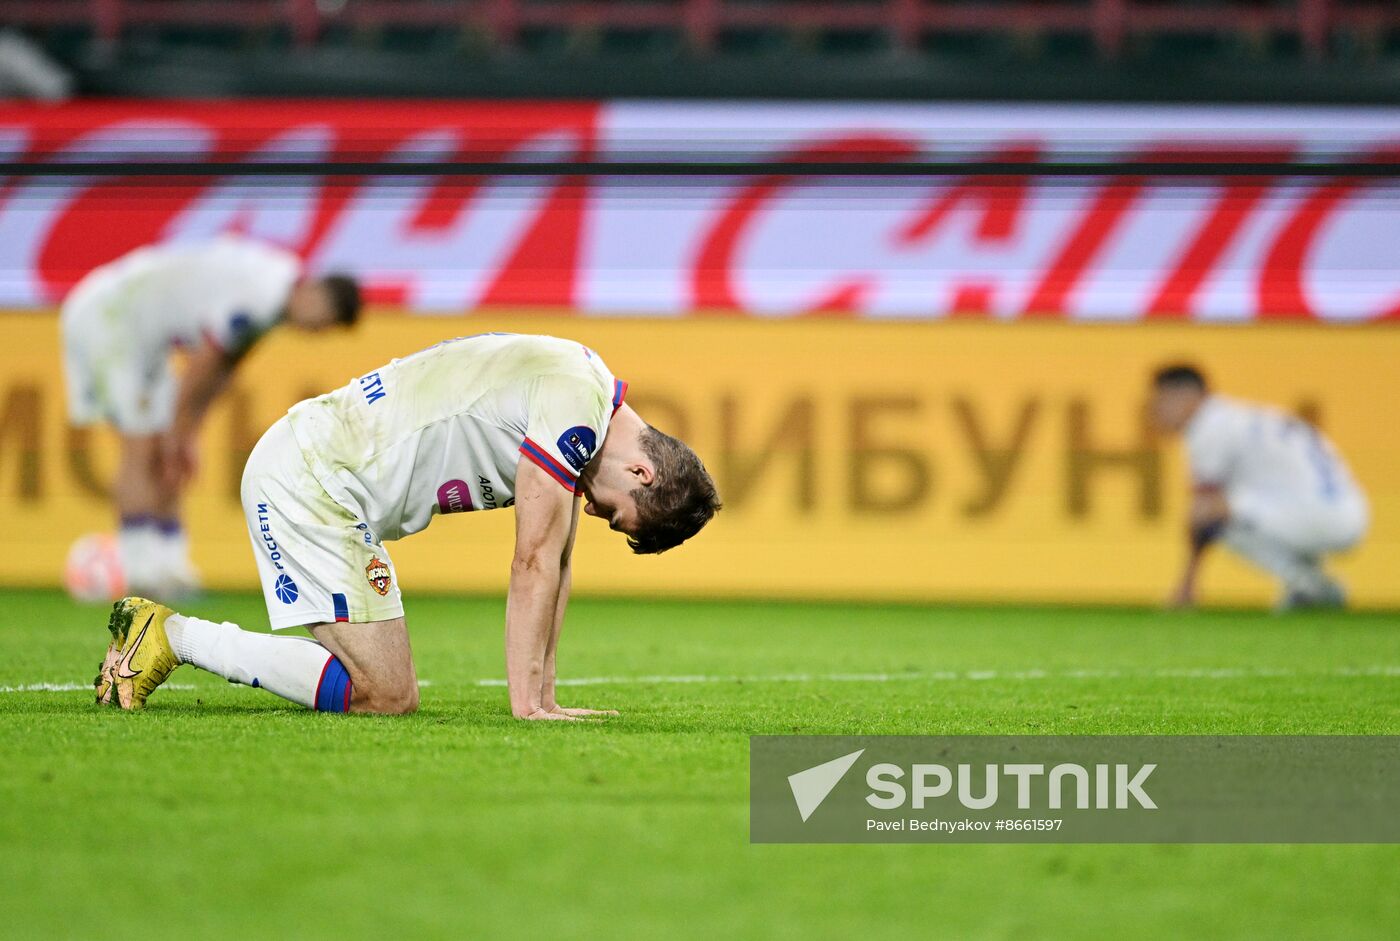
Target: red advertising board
{"x":1119,"y":248}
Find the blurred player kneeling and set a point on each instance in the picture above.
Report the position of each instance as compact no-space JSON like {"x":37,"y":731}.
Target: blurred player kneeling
{"x":1267,"y":484}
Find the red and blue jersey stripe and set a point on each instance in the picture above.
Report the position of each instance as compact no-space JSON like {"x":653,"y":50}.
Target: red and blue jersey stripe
{"x":541,"y":458}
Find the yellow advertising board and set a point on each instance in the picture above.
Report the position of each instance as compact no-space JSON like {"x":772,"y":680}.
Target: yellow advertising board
{"x":858,"y":460}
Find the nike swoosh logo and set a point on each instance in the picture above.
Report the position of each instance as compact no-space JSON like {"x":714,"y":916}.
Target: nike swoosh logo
{"x":124,"y":665}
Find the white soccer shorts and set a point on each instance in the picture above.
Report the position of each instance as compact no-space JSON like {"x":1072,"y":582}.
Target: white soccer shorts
{"x":318,"y":562}
{"x":1309,"y":527}
{"x":107,"y":375}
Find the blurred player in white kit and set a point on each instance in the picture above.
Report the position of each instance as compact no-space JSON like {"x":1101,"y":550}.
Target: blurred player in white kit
{"x":213,"y":300}
{"x":1265,"y":483}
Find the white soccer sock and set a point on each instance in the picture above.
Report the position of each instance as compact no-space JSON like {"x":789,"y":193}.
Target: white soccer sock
{"x":173,"y":551}
{"x":291,"y":667}
{"x":138,"y":544}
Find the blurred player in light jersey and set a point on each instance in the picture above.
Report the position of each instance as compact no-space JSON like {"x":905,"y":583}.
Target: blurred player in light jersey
{"x":1265,"y":483}
{"x":477,"y":423}
{"x":211,"y":299}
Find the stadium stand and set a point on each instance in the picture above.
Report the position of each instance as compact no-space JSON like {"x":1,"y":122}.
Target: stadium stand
{"x":709,"y":24}
{"x":1180,"y":50}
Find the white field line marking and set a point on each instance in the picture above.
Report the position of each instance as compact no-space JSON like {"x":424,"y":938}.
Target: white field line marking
{"x":74,"y":687}
{"x":1193,"y":673}
{"x":974,"y":675}
{"x":71,"y":687}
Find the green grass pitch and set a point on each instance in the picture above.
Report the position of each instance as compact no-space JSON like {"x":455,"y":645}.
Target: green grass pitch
{"x":222,"y":812}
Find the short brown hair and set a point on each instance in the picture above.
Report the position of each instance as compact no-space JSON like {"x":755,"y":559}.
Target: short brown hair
{"x":681,"y":499}
{"x":344,"y":292}
{"x":1178,"y":375}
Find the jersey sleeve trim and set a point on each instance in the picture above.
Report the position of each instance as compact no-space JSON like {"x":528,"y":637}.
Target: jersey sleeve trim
{"x":619,"y":393}
{"x":540,"y":457}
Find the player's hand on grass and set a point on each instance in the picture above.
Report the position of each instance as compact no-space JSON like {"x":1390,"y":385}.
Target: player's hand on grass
{"x":585,"y":712}
{"x":539,"y":714}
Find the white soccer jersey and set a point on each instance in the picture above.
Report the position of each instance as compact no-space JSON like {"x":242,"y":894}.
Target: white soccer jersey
{"x":227,"y":291}
{"x":443,"y":430}
{"x":1260,"y":455}
{"x":122,"y":320}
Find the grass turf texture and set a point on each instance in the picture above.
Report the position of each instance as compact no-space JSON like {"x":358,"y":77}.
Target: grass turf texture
{"x":224,"y":812}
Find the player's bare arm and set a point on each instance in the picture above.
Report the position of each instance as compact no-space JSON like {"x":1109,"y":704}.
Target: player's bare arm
{"x":312,"y":306}
{"x":1209,"y":507}
{"x":1208,"y":514}
{"x":207,"y":374}
{"x":548,"y":701}
{"x":1178,"y":393}
{"x":566,"y":582}
{"x":544,"y":523}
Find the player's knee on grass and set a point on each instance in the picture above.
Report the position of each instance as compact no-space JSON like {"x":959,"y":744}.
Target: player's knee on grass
{"x":388,"y":699}
{"x":383,"y":688}
{"x":379,"y":661}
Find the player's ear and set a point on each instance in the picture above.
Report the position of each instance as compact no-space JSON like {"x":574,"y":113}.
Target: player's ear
{"x":641,"y":473}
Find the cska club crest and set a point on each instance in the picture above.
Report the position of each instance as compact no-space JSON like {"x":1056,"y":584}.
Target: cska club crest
{"x":378,"y":574}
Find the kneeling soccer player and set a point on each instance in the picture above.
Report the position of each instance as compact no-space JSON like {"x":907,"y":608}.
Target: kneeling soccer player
{"x":1268,"y":485}
{"x":476,"y":423}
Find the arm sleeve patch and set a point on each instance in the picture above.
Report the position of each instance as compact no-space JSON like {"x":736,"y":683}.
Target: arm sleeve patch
{"x":566,"y":421}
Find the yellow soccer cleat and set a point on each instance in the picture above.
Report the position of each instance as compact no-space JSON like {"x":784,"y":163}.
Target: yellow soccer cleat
{"x":140,"y":657}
